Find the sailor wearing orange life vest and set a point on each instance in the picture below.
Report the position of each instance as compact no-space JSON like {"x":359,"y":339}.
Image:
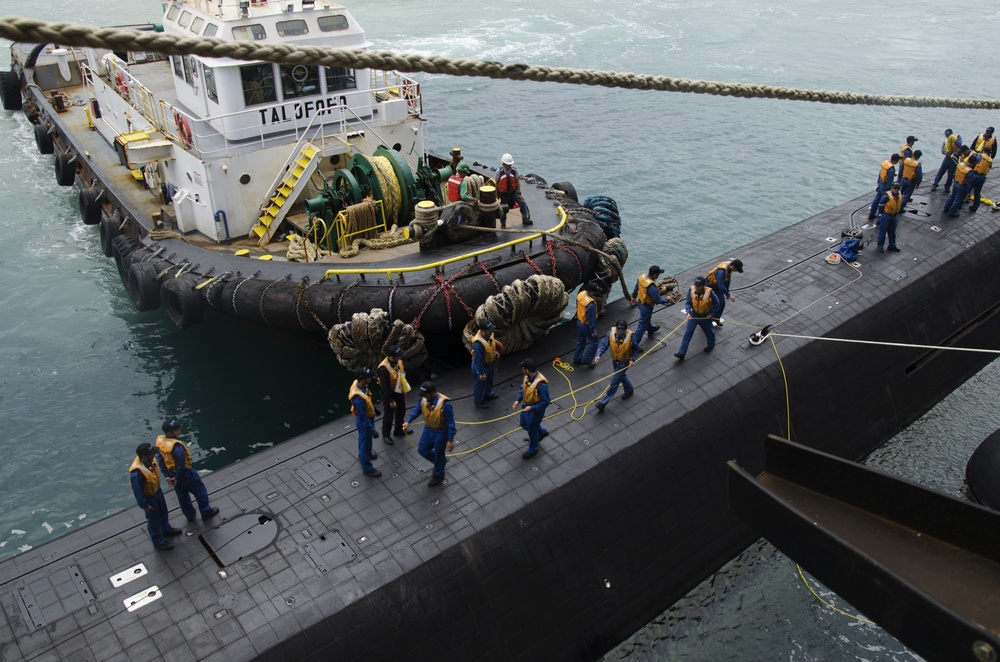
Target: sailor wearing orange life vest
{"x":986,"y":143}
{"x":586,"y":325}
{"x":913,"y":172}
{"x":886,"y":173}
{"x":645,"y":294}
{"x":439,"y":432}
{"x":175,"y":461}
{"x":392,"y":384}
{"x":951,"y":146}
{"x":458,"y":184}
{"x":905,"y":152}
{"x":533,"y":397}
{"x":364,"y":421}
{"x":701,"y":301}
{"x":967,"y":161}
{"x":888,"y":218}
{"x":144,"y":477}
{"x":624,"y":353}
{"x":977,"y":178}
{"x":485,"y":352}
{"x":509,"y":188}
{"x":718,"y":280}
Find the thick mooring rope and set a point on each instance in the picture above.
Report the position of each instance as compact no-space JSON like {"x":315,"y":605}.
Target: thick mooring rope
{"x":70,"y":34}
{"x":364,"y":341}
{"x":522,"y":312}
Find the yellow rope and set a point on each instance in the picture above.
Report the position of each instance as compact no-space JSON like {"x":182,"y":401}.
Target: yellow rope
{"x":392,"y":195}
{"x":820,"y":598}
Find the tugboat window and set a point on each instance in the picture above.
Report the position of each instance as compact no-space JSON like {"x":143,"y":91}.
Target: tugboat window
{"x":172,"y":12}
{"x":189,"y":69}
{"x":258,"y":84}
{"x":339,"y":78}
{"x":299,"y":80}
{"x":185,"y":19}
{"x":210,"y":89}
{"x":211,"y":29}
{"x":333,"y":23}
{"x":253,"y":32}
{"x":178,"y":66}
{"x":197,"y":25}
{"x":292,"y":28}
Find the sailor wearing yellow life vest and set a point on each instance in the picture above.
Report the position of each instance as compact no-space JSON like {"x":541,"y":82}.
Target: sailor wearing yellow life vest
{"x":364,"y":420}
{"x":913,"y":173}
{"x":986,"y":143}
{"x":967,"y":161}
{"x":888,"y":218}
{"x":905,"y":152}
{"x":533,"y":398}
{"x":485,"y":352}
{"x":886,"y":173}
{"x":951,"y":146}
{"x":586,"y":325}
{"x":392,"y":384}
{"x":439,"y":432}
{"x":977,"y":178}
{"x":701,"y":301}
{"x":175,"y":461}
{"x":624,"y":353}
{"x":718,"y":280}
{"x":144,"y":477}
{"x":645,"y":294}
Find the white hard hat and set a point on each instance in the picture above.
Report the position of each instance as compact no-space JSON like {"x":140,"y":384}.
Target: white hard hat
{"x":507,"y":159}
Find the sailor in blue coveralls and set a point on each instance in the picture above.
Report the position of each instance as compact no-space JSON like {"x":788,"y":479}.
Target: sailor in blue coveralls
{"x":438,"y":436}
{"x":624,"y":353}
{"x":701,"y":301}
{"x":645,"y":295}
{"x":888,"y":218}
{"x":886,"y":173}
{"x":144,"y":476}
{"x":364,"y":420}
{"x":718,"y":280}
{"x":533,"y":398}
{"x":485,"y":352}
{"x":176,"y":464}
{"x":586,"y":325}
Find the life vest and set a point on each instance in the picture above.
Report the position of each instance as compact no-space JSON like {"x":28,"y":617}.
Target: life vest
{"x":434,"y":418}
{"x":506,"y":180}
{"x":950,"y":145}
{"x":961,"y":171}
{"x":583,"y":299}
{"x":702,"y":305}
{"x":910,"y":168}
{"x":891,"y":206}
{"x":621,"y":350}
{"x":883,"y":173}
{"x":454,"y":186}
{"x":151,"y":476}
{"x":394,"y":373}
{"x":710,"y":277}
{"x":365,"y":395}
{"x":529,"y":390}
{"x":643,"y":294}
{"x":981,"y":144}
{"x":904,"y":148}
{"x":166,"y":445}
{"x":984,"y":165}
{"x":489,"y":347}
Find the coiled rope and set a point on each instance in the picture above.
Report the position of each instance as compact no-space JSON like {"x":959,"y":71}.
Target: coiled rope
{"x":69,"y":34}
{"x":366,"y":338}
{"x":522,"y":312}
{"x":391,"y":194}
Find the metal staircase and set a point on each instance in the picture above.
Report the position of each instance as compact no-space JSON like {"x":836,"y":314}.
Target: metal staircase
{"x":299,"y":169}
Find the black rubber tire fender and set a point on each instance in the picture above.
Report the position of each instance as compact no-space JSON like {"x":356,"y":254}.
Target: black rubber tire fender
{"x":181,"y":301}
{"x":122,"y":248}
{"x":143,"y":286}
{"x":43,"y":139}
{"x":109,"y":232}
{"x":90,"y":206}
{"x":10,"y":91}
{"x":65,"y":171}
{"x":568,"y":189}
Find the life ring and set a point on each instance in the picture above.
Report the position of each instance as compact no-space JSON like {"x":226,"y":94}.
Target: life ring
{"x":411,"y":94}
{"x":122,"y":84}
{"x":181,"y":302}
{"x":183,"y":130}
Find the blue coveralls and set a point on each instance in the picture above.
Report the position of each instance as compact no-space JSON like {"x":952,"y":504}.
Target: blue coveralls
{"x":620,"y":375}
{"x":481,"y":388}
{"x":975,"y":181}
{"x":908,"y":186}
{"x":156,"y":517}
{"x":886,"y":224}
{"x":957,"y":197}
{"x":188,"y":484}
{"x":721,"y":291}
{"x":646,"y":312}
{"x":704,"y":322}
{"x":880,"y":188}
{"x":509,"y":198}
{"x":433,"y":443}
{"x":907,"y":153}
{"x":948,"y":165}
{"x":531,"y":420}
{"x":365,"y":427}
{"x":586,"y":336}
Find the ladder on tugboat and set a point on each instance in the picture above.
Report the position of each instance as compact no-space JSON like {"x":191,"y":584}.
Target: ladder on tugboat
{"x":300,"y":169}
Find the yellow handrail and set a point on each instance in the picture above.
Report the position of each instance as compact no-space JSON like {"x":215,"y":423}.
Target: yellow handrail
{"x":343,"y":235}
{"x":563,"y":218}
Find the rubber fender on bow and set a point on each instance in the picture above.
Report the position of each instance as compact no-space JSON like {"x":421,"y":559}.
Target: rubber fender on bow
{"x":122,"y":248}
{"x":143,"y":286}
{"x":43,"y":139}
{"x":65,"y":170}
{"x":181,"y":302}
{"x":109,"y":232}
{"x":568,"y":189}
{"x":90,"y":206}
{"x":10,"y":91}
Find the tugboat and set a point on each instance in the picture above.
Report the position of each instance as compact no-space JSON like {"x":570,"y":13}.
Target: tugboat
{"x":287,"y":195}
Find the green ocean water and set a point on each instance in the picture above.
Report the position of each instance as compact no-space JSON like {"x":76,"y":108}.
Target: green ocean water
{"x":84,"y":377}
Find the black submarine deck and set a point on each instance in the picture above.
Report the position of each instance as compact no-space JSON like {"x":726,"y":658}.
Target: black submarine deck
{"x":559,"y":557}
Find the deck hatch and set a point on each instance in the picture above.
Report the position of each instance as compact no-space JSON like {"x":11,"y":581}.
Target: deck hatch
{"x":53,"y":596}
{"x":328,"y":551}
{"x":316,"y":473}
{"x":239,"y":537}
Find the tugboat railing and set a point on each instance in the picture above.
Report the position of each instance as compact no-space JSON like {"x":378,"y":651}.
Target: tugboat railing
{"x":563,"y":219}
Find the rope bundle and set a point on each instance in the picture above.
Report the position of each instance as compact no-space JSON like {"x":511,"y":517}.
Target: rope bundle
{"x":365,"y":340}
{"x":522,"y":312}
{"x":301,"y":249}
